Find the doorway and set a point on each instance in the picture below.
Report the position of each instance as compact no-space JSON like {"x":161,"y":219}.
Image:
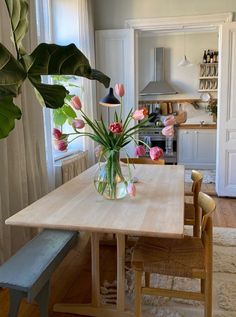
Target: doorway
{"x":200,"y":24}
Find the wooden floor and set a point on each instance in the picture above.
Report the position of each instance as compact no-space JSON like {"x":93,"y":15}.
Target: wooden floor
{"x":71,"y":281}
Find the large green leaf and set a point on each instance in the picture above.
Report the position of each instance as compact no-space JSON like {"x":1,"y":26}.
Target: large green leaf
{"x":12,"y":74}
{"x":8,"y":113}
{"x":53,"y":95}
{"x":18,"y":11}
{"x":52,"y":59}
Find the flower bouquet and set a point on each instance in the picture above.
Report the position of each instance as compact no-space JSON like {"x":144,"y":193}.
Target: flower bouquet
{"x":111,"y":138}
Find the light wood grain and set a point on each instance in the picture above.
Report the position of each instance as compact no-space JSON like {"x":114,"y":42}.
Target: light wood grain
{"x":157,"y":209}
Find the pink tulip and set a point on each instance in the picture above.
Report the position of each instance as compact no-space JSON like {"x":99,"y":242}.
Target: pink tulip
{"x":119,"y":90}
{"x":76,"y":103}
{"x":140,"y":114}
{"x":56,"y":133}
{"x":131,"y":189}
{"x":78,"y":124}
{"x":116,"y":127}
{"x":170,"y":120}
{"x":140,"y":150}
{"x":155,"y":153}
{"x":168,"y":130}
{"x":60,"y":145}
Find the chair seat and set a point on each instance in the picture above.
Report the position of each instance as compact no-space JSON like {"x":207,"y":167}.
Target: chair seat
{"x":189,"y":214}
{"x":179,"y":257}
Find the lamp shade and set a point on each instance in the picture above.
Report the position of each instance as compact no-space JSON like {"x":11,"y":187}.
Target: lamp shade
{"x":110,"y":100}
{"x":185,"y":62}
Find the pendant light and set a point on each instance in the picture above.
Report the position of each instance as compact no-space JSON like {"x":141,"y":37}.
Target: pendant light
{"x":110,"y":100}
{"x":184,"y":61}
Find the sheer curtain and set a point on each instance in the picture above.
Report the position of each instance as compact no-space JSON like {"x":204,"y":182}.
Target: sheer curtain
{"x":86,"y":45}
{"x":22,"y":154}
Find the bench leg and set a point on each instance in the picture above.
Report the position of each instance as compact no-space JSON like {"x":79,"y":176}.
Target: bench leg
{"x":15,"y":299}
{"x":43,"y":299}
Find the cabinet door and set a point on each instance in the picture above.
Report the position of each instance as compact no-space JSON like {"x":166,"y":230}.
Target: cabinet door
{"x":205,"y":148}
{"x":185,"y":146}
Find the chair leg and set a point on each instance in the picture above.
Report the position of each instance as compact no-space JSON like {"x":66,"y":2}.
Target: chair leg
{"x":15,"y":300}
{"x":208,"y":297}
{"x":147,"y":279}
{"x":138,"y":293}
{"x":43,"y":299}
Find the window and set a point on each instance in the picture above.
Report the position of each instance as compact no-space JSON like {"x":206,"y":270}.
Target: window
{"x":57,"y":22}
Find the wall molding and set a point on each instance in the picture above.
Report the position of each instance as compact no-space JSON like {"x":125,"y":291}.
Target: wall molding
{"x":184,"y":23}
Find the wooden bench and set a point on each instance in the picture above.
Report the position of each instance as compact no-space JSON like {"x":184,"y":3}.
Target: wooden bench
{"x":27,"y":273}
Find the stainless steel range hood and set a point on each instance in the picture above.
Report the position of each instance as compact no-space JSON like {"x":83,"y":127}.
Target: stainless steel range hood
{"x":160,"y":85}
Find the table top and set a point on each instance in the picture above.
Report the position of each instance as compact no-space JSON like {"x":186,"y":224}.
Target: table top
{"x":156,"y":210}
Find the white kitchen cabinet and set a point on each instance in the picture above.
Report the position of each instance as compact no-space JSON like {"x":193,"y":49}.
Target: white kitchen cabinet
{"x":197,"y":148}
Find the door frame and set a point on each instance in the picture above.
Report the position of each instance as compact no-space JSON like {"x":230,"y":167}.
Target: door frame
{"x":201,"y":23}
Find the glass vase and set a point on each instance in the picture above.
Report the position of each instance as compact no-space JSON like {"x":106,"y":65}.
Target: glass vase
{"x":109,"y":180}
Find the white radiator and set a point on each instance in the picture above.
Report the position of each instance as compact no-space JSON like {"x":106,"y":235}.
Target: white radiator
{"x":69,"y":167}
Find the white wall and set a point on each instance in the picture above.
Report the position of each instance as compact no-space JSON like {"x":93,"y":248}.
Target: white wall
{"x":183,"y":79}
{"x":111,"y":14}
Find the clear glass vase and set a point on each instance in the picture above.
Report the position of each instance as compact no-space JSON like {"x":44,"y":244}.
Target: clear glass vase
{"x":109,"y":180}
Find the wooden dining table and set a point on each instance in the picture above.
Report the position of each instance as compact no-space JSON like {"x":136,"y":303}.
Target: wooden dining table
{"x":157,"y":210}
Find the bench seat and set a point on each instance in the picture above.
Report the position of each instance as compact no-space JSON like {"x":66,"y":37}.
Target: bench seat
{"x":27,"y":273}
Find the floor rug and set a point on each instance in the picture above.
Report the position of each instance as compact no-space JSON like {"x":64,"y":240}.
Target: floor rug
{"x":209,"y":176}
{"x":224,"y":285}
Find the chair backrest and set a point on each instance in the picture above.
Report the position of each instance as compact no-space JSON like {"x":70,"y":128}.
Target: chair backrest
{"x":207,"y":204}
{"x":142,"y":160}
{"x":197,"y":178}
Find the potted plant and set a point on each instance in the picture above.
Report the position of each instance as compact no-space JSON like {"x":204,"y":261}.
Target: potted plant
{"x":212,"y":109}
{"x":46,"y":59}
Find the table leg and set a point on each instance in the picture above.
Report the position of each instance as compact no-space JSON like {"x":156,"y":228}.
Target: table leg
{"x":96,"y":309}
{"x":95,"y":269}
{"x":120,"y":271}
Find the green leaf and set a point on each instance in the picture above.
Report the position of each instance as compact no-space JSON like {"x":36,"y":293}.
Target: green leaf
{"x":12,"y":74}
{"x":53,"y":95}
{"x":59,"y":118}
{"x":8,"y":113}
{"x":68,"y":111}
{"x":18,"y":11}
{"x":52,"y":59}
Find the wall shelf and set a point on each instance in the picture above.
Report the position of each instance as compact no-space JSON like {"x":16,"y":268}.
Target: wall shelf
{"x":208,"y":77}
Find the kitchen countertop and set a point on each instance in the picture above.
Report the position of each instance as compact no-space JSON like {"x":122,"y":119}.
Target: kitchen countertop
{"x":197,"y":126}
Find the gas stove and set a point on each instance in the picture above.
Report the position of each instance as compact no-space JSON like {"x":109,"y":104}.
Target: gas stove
{"x":152,"y":136}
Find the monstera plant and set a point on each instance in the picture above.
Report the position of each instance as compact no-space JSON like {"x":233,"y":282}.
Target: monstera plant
{"x":46,"y":59}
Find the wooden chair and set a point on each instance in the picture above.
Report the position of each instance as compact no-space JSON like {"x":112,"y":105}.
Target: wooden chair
{"x":142,"y":160}
{"x":188,"y":257}
{"x":192,"y":213}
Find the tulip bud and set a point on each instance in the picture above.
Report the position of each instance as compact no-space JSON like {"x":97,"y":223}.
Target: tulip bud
{"x":140,"y":114}
{"x":131,"y":189}
{"x":119,"y":90}
{"x":168,"y":130}
{"x":76,"y":103}
{"x":116,"y":127}
{"x":60,"y":145}
{"x":155,"y":153}
{"x":140,"y":150}
{"x":78,"y":124}
{"x":56,"y":133}
{"x":170,"y":120}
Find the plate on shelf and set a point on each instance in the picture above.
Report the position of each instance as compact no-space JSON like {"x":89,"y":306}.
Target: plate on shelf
{"x":205,"y":97}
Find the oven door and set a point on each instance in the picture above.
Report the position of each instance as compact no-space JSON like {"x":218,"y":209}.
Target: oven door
{"x":160,"y":141}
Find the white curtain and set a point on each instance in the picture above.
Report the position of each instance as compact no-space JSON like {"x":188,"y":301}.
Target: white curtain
{"x":22,"y":154}
{"x":86,"y":45}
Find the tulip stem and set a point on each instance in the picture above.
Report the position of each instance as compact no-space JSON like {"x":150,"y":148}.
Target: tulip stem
{"x":121,"y":108}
